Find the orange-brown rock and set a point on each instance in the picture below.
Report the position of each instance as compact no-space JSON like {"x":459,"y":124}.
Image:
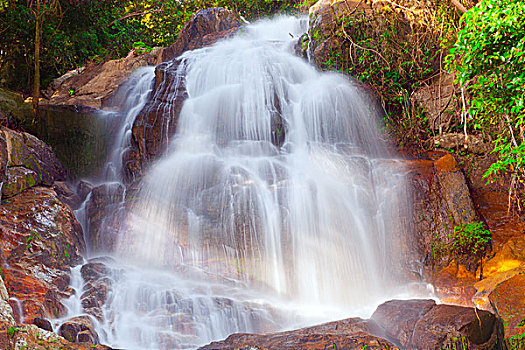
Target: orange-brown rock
{"x":441,"y":201}
{"x":508,"y":298}
{"x":41,"y":240}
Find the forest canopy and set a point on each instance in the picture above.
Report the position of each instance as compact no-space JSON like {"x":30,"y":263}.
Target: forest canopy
{"x":78,"y":31}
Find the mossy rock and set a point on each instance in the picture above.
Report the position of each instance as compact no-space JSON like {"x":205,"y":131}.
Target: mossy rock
{"x":18,"y":179}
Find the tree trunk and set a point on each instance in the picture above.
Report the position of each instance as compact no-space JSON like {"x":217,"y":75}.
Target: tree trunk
{"x":38,"y":39}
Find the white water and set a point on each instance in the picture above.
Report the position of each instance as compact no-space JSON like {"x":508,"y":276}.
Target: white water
{"x":233,"y":233}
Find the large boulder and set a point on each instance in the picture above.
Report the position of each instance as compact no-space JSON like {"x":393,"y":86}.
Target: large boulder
{"x":350,"y":334}
{"x":79,"y":330}
{"x":96,"y":84}
{"x":157,"y":122}
{"x":98,"y":285}
{"x":421,"y":324}
{"x":25,"y":161}
{"x":41,"y":240}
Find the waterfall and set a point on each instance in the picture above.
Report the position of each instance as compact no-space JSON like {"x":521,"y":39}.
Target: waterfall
{"x":275,"y":206}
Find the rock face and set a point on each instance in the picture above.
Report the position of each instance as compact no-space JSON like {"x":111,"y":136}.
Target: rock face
{"x":26,"y":162}
{"x":441,"y":201}
{"x":408,"y":324}
{"x":155,"y":125}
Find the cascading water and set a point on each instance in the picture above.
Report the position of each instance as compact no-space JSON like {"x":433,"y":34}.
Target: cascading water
{"x":275,"y":190}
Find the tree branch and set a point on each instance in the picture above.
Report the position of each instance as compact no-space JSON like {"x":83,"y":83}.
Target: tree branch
{"x":136,"y":14}
{"x":459,"y":6}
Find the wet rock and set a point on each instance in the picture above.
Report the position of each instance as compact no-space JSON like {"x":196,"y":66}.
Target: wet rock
{"x":98,"y":279}
{"x":83,"y":189}
{"x":157,"y":122}
{"x":18,"y":179}
{"x":43,"y":323}
{"x":79,"y":329}
{"x":67,"y":195}
{"x":41,"y":240}
{"x":104,"y":216}
{"x":6,"y":312}
{"x":455,"y":285}
{"x":208,"y":26}
{"x":353,"y":333}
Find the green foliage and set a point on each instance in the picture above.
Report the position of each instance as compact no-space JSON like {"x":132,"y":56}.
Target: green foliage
{"x":489,"y":60}
{"x":467,"y":244}
{"x":471,"y":239}
{"x":98,"y":30}
{"x":141,"y":48}
{"x":11,"y":331}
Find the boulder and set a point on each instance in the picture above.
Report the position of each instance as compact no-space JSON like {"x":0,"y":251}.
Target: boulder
{"x":421,"y":324}
{"x":32,"y":337}
{"x":43,"y":323}
{"x":67,"y":195}
{"x":41,"y":240}
{"x":399,"y":317}
{"x":438,"y":103}
{"x":79,"y":330}
{"x":26,"y":162}
{"x":157,"y":122}
{"x":324,"y":15}
{"x":96,"y":84}
{"x":6,"y":312}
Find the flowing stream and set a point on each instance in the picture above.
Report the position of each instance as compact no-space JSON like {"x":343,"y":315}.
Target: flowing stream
{"x":275,"y":206}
